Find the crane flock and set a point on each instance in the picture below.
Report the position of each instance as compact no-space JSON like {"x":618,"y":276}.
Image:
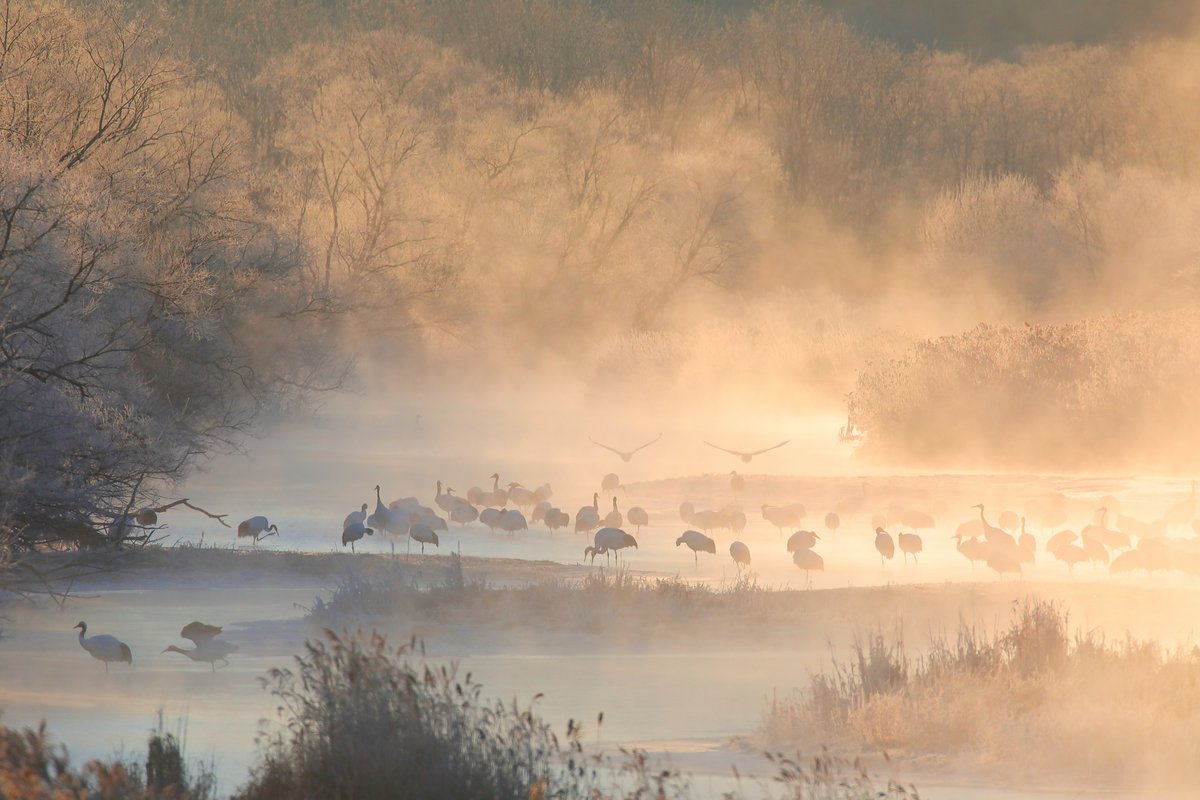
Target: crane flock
{"x":1007,"y":548}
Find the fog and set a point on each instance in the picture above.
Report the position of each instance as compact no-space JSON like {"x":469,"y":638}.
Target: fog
{"x":270,"y":256}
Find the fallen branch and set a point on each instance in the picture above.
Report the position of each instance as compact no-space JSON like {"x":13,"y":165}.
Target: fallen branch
{"x":218,"y":517}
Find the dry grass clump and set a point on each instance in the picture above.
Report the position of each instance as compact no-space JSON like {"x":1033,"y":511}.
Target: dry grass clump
{"x":1032,"y":699}
{"x":1112,"y":392}
{"x":364,"y":719}
{"x":600,"y":600}
{"x":32,"y":767}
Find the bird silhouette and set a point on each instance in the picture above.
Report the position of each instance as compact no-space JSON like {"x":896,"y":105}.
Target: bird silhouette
{"x":209,"y":649}
{"x":256,"y":528}
{"x":740,"y":554}
{"x":747,"y":456}
{"x":626,"y":455}
{"x":698,"y":542}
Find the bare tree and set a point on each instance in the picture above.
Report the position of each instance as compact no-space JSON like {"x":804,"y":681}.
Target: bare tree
{"x":136,"y":287}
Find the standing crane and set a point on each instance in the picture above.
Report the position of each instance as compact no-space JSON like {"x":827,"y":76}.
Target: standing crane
{"x":104,"y":647}
{"x":885,"y":545}
{"x":698,"y":542}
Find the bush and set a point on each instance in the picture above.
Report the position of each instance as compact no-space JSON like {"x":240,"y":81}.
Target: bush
{"x":1107,"y":393}
{"x":32,"y":767}
{"x":1020,"y":698}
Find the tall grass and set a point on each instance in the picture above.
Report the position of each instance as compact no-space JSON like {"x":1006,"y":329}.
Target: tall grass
{"x":1032,"y":698}
{"x":363,"y":719}
{"x":601,"y":599}
{"x":33,"y":767}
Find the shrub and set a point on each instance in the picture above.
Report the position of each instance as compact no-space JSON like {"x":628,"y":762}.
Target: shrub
{"x":32,"y":767}
{"x":1022,"y":698}
{"x":1111,"y":392}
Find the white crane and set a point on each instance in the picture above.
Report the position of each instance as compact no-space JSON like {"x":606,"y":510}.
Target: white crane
{"x":355,"y":516}
{"x":104,"y":647}
{"x":802,"y":540}
{"x":209,"y":649}
{"x":422,"y":533}
{"x":256,"y":528}
{"x":626,"y":455}
{"x":910,"y":544}
{"x":609,"y":540}
{"x":543,"y":492}
{"x":1004,"y":559}
{"x":885,"y":545}
{"x":353,"y":532}
{"x":638,"y":516}
{"x":587,"y":519}
{"x":783,"y":516}
{"x":747,"y":456}
{"x":512,"y":520}
{"x":614,"y":519}
{"x":610,"y":483}
{"x":464,"y":512}
{"x":490,"y":517}
{"x":1103,"y":534}
{"x":808,"y":561}
{"x":971,"y":548}
{"x":698,"y":542}
{"x":994,"y":535}
{"x":389,"y":520}
{"x":521,"y":497}
{"x":555,"y":518}
{"x":446,"y":502}
{"x":1070,"y":554}
{"x":1059,"y":539}
{"x":740,"y":554}
{"x":497,"y":498}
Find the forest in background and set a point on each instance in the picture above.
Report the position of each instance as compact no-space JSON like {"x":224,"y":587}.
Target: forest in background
{"x":211,"y":209}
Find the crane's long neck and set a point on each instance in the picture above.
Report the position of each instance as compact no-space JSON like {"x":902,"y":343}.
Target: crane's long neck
{"x":495,"y":483}
{"x":596,"y":502}
{"x":982,"y":518}
{"x":439,"y":489}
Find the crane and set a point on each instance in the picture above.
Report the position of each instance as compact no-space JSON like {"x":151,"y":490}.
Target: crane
{"x":353,"y":532}
{"x":638,"y":516}
{"x":885,"y":545}
{"x":104,"y":647}
{"x":423,"y":534}
{"x":910,"y":544}
{"x":747,"y":456}
{"x":698,"y":542}
{"x":609,"y":541}
{"x":626,"y":455}
{"x":740,"y":554}
{"x":209,"y":649}
{"x":256,"y":528}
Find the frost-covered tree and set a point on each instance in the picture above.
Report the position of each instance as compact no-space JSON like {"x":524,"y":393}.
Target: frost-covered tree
{"x":146,"y":316}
